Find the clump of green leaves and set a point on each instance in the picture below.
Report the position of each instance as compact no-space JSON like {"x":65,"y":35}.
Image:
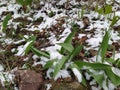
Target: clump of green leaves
{"x":106,"y":9}
{"x":97,"y":67}
{"x":68,"y":52}
{"x":88,"y":66}
{"x":24,"y":2}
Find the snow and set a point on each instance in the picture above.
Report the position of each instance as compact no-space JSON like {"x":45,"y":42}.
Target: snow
{"x":117,"y":13}
{"x":6,"y":76}
{"x":65,"y":33}
{"x":77,"y":74}
{"x":19,"y":41}
{"x":87,"y":76}
{"x":62,"y":74}
{"x":104,"y":84}
{"x":116,"y":71}
{"x":93,"y":42}
{"x":111,"y":86}
{"x":26,"y":59}
{"x":48,"y":86}
{"x":53,"y":52}
{"x":81,"y":35}
{"x":21,"y":49}
{"x":47,"y":24}
{"x":117,"y":1}
{"x":2,"y":9}
{"x":8,"y":41}
{"x":95,"y":88}
{"x":62,"y":2}
{"x":108,"y":86}
{"x":49,"y":71}
{"x":114,"y":36}
{"x":35,"y":57}
{"x":1,"y":68}
{"x":42,"y":61}
{"x":117,"y":56}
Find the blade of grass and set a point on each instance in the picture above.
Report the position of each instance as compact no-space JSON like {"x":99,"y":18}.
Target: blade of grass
{"x":68,"y":40}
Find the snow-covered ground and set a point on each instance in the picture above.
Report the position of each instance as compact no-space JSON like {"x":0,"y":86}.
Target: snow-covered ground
{"x":68,"y":12}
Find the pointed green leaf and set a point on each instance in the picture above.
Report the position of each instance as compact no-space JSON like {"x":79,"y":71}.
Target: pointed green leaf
{"x":88,"y":65}
{"x":58,"y":66}
{"x":99,"y":78}
{"x":66,"y":46}
{"x":39,"y":53}
{"x":74,"y":52}
{"x":113,"y":77}
{"x":104,"y":46}
{"x":68,"y":40}
{"x":70,"y":37}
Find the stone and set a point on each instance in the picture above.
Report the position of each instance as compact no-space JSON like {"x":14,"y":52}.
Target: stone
{"x":28,"y":80}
